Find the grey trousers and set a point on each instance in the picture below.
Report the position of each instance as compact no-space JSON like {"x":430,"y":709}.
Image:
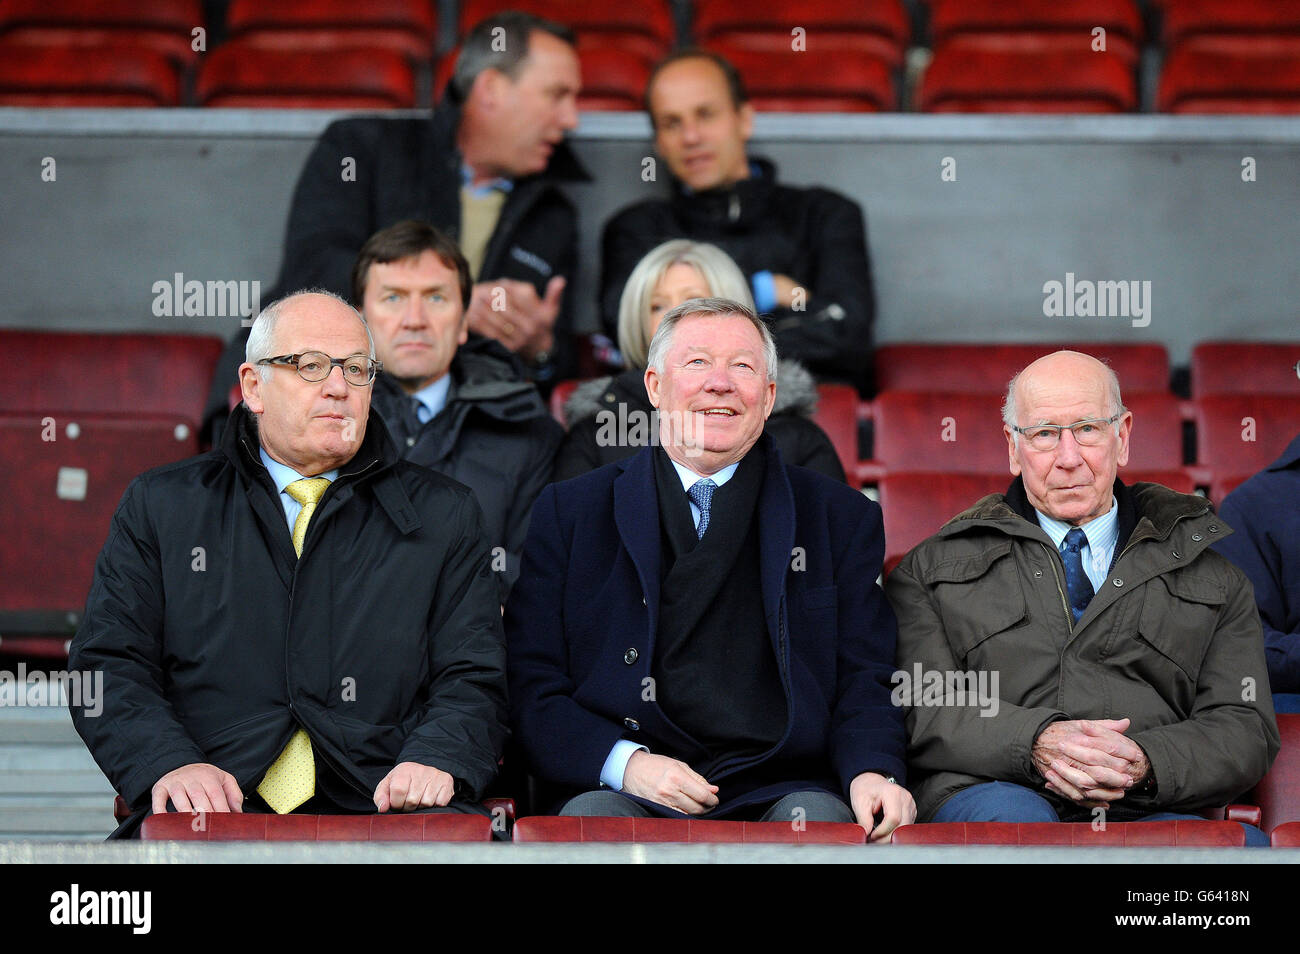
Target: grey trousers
{"x":797,"y":806}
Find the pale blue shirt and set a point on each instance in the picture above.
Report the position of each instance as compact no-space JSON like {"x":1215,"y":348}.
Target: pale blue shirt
{"x":432,"y":398}
{"x":282,"y":476}
{"x":1102,"y":534}
{"x":611,"y":773}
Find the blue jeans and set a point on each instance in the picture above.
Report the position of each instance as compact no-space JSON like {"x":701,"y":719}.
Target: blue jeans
{"x":1007,"y":802}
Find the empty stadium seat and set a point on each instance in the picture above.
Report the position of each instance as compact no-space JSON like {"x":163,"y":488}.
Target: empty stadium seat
{"x":114,"y":74}
{"x":1174,"y":834}
{"x":403,"y":26}
{"x":85,"y":413}
{"x":242,"y":76}
{"x":942,"y":432}
{"x":163,"y":26}
{"x":1286,"y":836}
{"x":56,"y":506}
{"x":916,"y":505}
{"x":645,"y":27}
{"x":1183,"y":20}
{"x":1240,"y":434}
{"x":988,"y":368}
{"x":837,"y":415}
{"x":1042,"y":25}
{"x":1278,"y":792}
{"x":877,"y":28}
{"x":1245,"y":367}
{"x":238,"y":826}
{"x":1204,"y":81}
{"x":962,"y":79}
{"x":545,"y":828}
{"x":827,"y":81}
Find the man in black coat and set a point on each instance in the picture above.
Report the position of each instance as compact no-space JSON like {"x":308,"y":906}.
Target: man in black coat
{"x":462,"y":410}
{"x":804,"y":250}
{"x":486,"y":168}
{"x":298,"y":620}
{"x":697,"y":630}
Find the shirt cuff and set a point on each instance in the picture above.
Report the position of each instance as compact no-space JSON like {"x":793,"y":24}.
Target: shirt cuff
{"x":764,"y":291}
{"x":611,"y":773}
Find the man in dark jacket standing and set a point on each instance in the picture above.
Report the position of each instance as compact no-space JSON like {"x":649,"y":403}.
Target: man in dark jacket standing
{"x":1266,"y":546}
{"x":1073,"y":650}
{"x":804,"y":250}
{"x":464,"y":411}
{"x":697,"y":630}
{"x":486,"y":168}
{"x":298,"y":620}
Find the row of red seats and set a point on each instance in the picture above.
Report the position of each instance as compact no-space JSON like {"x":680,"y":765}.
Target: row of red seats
{"x":1273,"y":806}
{"x":823,"y":56}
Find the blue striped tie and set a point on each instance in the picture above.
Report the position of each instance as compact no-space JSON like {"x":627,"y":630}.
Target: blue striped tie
{"x":701,"y":493}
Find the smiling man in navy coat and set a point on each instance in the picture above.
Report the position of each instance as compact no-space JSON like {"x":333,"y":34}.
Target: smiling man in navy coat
{"x":697,"y":630}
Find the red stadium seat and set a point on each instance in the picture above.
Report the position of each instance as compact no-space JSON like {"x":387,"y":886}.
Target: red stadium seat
{"x":988,"y":369}
{"x":916,"y":505}
{"x":837,"y":415}
{"x":875,"y":28}
{"x":1221,"y":487}
{"x":1286,"y":836}
{"x":645,"y":27}
{"x":1061,"y":25}
{"x":940,"y":432}
{"x":227,"y":826}
{"x":156,"y":374}
{"x":1245,"y":367}
{"x":827,"y":81}
{"x":1240,"y":434}
{"x":1201,"y":81}
{"x":1184,"y":20}
{"x":85,"y":413}
{"x":163,"y":26}
{"x":117,"y":73}
{"x":1278,"y":792}
{"x":238,"y":75}
{"x":56,"y":506}
{"x":1156,"y":440}
{"x":964,"y":80}
{"x":503,"y":807}
{"x":545,"y":828}
{"x":403,"y":26}
{"x":1173,"y":834}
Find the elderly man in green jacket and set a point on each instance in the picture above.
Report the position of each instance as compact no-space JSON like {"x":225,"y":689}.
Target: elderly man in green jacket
{"x":1073,"y":649}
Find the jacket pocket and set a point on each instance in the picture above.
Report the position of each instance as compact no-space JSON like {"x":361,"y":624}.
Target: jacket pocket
{"x":1179,"y":615}
{"x":980,"y":596}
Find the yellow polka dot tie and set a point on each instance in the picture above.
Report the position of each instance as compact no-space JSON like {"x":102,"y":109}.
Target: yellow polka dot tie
{"x":291,"y":779}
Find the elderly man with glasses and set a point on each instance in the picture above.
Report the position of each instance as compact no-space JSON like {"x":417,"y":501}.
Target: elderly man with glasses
{"x":1124,"y":656}
{"x":297,"y":620}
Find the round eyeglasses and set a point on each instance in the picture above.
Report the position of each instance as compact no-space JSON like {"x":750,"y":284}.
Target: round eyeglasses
{"x":359,"y":370}
{"x":1088,"y":433}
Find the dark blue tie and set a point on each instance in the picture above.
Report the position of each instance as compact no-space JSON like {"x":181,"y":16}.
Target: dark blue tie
{"x":1076,"y":581}
{"x":701,"y":494}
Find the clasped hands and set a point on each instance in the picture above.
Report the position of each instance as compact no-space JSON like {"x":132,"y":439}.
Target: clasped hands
{"x":202,"y":787}
{"x":1090,"y":761}
{"x":675,"y":784}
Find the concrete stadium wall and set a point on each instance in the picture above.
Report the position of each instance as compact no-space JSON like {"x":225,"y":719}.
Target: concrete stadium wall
{"x":140,"y":195}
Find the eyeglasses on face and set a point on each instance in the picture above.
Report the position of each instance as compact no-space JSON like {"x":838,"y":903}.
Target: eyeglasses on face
{"x":359,"y":370}
{"x":1087,"y":433}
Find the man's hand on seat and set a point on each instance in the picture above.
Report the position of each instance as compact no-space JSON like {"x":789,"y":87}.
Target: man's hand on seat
{"x":411,"y":785}
{"x":198,"y":787}
{"x":870,"y":793}
{"x":669,"y":782}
